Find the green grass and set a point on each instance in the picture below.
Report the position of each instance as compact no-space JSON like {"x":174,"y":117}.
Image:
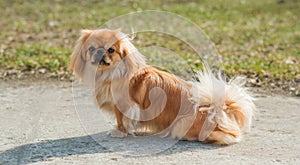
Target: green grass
{"x":257,"y":38}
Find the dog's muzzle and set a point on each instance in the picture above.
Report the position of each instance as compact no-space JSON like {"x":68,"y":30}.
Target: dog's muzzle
{"x":98,"y":57}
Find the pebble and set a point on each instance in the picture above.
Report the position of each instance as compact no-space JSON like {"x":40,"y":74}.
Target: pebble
{"x":43,"y":70}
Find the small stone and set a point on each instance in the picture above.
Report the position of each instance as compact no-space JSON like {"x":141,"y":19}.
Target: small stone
{"x":197,"y":61}
{"x":11,"y":72}
{"x":53,"y":23}
{"x":272,"y":85}
{"x":42,"y":71}
{"x":10,"y":39}
{"x":289,"y":60}
{"x":252,"y":81}
{"x":297,"y":93}
{"x":115,"y":159}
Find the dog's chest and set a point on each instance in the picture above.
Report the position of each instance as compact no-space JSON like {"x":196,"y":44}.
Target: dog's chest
{"x":103,"y":94}
{"x":110,"y":94}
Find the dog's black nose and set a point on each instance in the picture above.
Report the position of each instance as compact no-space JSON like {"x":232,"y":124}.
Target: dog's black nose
{"x":100,"y":52}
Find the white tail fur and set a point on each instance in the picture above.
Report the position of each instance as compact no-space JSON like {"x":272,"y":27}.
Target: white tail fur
{"x":229,"y":105}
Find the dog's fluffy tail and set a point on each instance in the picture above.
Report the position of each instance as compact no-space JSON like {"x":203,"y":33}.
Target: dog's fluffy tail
{"x":229,"y":106}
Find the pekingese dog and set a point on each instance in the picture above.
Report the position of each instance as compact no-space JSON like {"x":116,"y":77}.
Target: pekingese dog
{"x":145,"y":100}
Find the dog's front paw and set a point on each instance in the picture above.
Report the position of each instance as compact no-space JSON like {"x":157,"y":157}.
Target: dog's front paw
{"x":117,"y":133}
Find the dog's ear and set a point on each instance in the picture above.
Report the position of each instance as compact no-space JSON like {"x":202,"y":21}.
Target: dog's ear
{"x":121,"y":47}
{"x":78,"y":58}
{"x":120,"y":43}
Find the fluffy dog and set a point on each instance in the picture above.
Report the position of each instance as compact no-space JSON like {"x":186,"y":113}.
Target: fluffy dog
{"x":146,"y":100}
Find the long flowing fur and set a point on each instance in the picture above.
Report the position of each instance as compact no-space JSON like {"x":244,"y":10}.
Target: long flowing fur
{"x":229,"y":105}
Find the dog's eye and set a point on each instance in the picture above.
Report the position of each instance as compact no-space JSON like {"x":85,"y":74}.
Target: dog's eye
{"x":91,"y":48}
{"x":111,"y":50}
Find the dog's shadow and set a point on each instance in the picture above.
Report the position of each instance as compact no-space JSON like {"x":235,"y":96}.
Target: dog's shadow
{"x":129,"y":146}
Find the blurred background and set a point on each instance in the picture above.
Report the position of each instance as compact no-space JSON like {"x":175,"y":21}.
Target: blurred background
{"x":258,"y":39}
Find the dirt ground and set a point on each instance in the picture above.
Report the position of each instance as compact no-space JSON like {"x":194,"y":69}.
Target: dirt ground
{"x":39,"y":125}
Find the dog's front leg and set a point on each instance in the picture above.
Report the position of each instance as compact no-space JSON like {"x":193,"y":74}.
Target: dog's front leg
{"x":120,"y":131}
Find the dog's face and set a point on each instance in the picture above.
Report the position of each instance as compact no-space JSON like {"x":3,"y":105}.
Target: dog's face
{"x":98,"y":48}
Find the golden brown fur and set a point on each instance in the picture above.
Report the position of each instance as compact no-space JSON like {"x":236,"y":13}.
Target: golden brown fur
{"x":146,"y":100}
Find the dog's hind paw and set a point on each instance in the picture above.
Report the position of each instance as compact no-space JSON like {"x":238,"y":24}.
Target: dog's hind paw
{"x":118,"y":134}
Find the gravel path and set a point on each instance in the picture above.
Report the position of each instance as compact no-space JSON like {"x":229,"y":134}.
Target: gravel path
{"x":39,"y":125}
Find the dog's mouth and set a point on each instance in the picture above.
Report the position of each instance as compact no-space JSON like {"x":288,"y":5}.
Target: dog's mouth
{"x":100,"y":62}
{"x":103,"y":62}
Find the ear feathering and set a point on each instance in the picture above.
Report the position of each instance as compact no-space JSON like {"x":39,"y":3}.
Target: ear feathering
{"x":77,"y":63}
{"x":134,"y":59}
